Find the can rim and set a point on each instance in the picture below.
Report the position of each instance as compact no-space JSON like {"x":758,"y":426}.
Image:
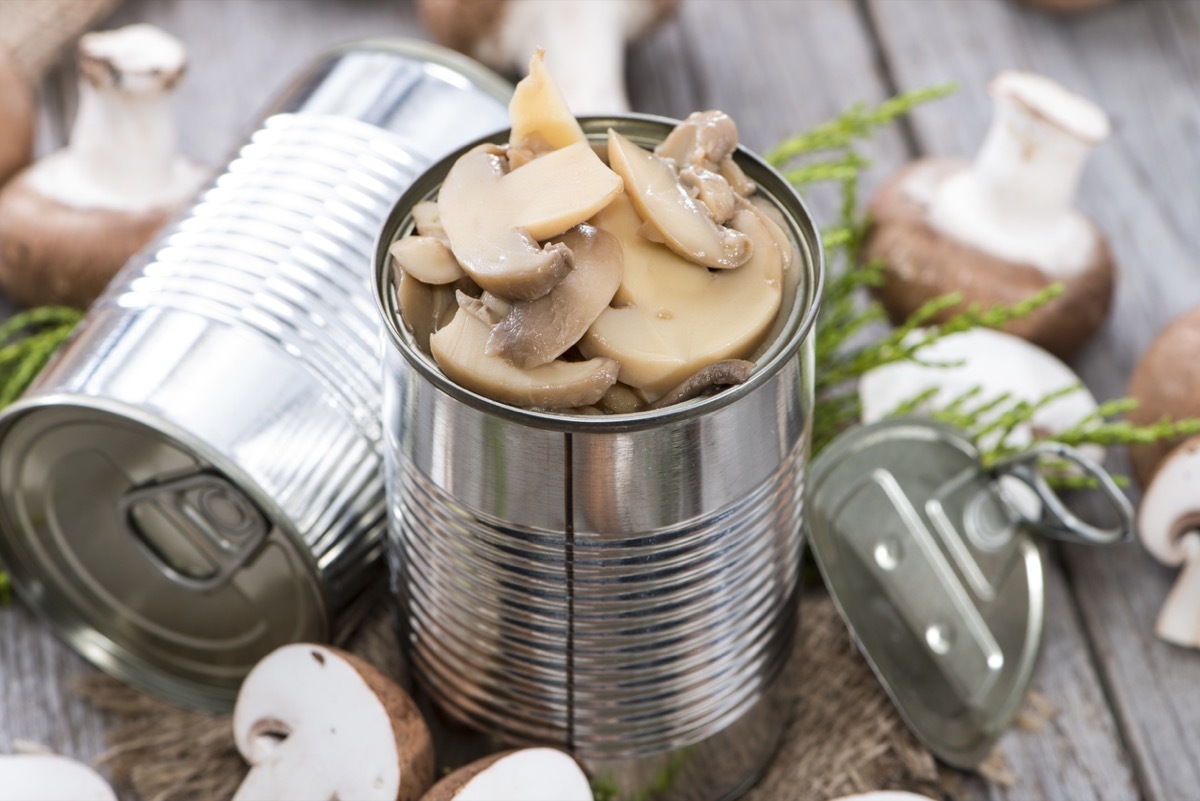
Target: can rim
{"x":801,"y":323}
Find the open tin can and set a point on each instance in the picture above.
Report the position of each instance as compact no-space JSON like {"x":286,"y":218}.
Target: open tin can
{"x":197,"y":478}
{"x":620,"y":586}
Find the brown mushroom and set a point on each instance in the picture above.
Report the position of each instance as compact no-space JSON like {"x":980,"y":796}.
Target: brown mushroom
{"x":69,"y":222}
{"x":1002,"y":228}
{"x":1165,"y":388}
{"x":686,"y":225}
{"x":316,"y":722}
{"x":16,"y":119}
{"x":495,"y":218}
{"x":459,"y":347}
{"x":586,"y":39}
{"x":536,"y":332}
{"x":531,"y":774}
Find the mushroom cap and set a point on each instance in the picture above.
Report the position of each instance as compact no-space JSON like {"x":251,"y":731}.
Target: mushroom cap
{"x":921,"y":264}
{"x":1165,"y":387}
{"x":135,"y":58}
{"x":55,"y":254}
{"x":1171,"y":504}
{"x":16,"y":119}
{"x":530,"y":774}
{"x":315,"y":720}
{"x":992,"y":361}
{"x":49,"y":777}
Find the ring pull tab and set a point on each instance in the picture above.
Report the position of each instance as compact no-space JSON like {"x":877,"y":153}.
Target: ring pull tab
{"x":1055,"y":519}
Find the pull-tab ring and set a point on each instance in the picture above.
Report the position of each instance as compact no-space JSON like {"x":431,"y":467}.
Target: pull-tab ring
{"x":1056,"y":520}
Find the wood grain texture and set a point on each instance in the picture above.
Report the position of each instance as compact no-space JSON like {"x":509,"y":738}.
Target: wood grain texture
{"x":780,"y":67}
{"x":1139,"y":61}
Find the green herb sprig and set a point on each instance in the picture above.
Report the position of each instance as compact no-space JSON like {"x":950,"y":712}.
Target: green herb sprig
{"x":27,"y":341}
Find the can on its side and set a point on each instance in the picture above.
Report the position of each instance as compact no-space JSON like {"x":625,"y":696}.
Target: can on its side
{"x":197,"y":478}
{"x":623,"y":586}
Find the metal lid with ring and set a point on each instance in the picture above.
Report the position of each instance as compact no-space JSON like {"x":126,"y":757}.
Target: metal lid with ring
{"x":928,"y":556}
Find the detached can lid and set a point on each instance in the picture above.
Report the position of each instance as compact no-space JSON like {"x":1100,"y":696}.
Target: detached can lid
{"x":929,"y":559}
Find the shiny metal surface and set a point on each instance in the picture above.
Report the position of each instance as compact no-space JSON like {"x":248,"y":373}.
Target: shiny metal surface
{"x":620,"y":586}
{"x":229,"y":377}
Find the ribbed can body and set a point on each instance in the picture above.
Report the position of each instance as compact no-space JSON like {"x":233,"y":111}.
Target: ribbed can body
{"x":224,"y":395}
{"x":622,"y":587}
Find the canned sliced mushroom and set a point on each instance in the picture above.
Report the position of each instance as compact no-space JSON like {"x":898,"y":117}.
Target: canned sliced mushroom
{"x":622,"y":586}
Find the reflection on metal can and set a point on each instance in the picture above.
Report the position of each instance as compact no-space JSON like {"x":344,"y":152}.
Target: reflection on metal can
{"x":621,"y":586}
{"x":197,"y":479}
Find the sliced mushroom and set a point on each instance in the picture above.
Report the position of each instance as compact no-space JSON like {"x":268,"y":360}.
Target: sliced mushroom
{"x":539,"y":113}
{"x":686,"y":224}
{"x":622,"y":399}
{"x":16,"y":118}
{"x":427,"y":259}
{"x":428,"y":221}
{"x":671,"y":319}
{"x":705,"y":139}
{"x":536,"y":332}
{"x":479,"y":309}
{"x":532,"y":774}
{"x":1004,"y":227}
{"x":496,"y":218}
{"x":1166,"y":384}
{"x":49,"y":777}
{"x":459,"y":351}
{"x":1169,"y":527}
{"x":725,"y":373}
{"x":424,"y":308}
{"x":316,"y":722}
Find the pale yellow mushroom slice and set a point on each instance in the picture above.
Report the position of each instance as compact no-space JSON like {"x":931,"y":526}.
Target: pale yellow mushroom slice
{"x":428,"y":220}
{"x":686,"y":224}
{"x":539,"y":113}
{"x":459,"y":351}
{"x":676,"y":319}
{"x":495,"y":218}
{"x":427,"y":259}
{"x":536,"y":332}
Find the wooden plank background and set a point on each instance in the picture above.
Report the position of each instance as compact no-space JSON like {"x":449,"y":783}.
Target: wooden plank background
{"x":1129,"y":721}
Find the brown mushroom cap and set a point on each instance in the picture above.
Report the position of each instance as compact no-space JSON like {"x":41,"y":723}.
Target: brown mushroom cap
{"x":16,"y":119}
{"x":86,"y":246}
{"x":921,"y":264}
{"x":1165,"y":386}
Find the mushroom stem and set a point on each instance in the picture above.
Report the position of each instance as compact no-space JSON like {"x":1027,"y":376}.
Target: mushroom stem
{"x":1016,"y":200}
{"x":122,"y":150}
{"x":585,"y":43}
{"x":1179,"y":619}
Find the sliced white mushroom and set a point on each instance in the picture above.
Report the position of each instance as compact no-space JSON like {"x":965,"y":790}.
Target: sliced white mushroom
{"x":536,"y":332}
{"x":725,"y":373}
{"x":705,"y":139}
{"x":459,"y":351}
{"x":539,"y":112}
{"x":669,"y":318}
{"x":1169,"y":527}
{"x":686,"y":224}
{"x":532,"y":774}
{"x":48,"y":777}
{"x":495,"y":218}
{"x":424,"y":308}
{"x":317,"y":722}
{"x":428,"y":220}
{"x":427,"y":259}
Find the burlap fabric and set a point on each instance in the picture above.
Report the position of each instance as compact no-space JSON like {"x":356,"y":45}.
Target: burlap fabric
{"x":844,"y":736}
{"x":36,"y":32}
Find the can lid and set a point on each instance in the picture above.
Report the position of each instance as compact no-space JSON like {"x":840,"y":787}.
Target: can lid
{"x":929,"y":559}
{"x":150,"y":559}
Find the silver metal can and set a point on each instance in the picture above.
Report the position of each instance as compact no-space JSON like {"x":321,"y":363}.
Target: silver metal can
{"x":197,"y":478}
{"x":622,"y":586}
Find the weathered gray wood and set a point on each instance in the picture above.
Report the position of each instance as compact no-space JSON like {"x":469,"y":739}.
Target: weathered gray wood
{"x":1138,"y":60}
